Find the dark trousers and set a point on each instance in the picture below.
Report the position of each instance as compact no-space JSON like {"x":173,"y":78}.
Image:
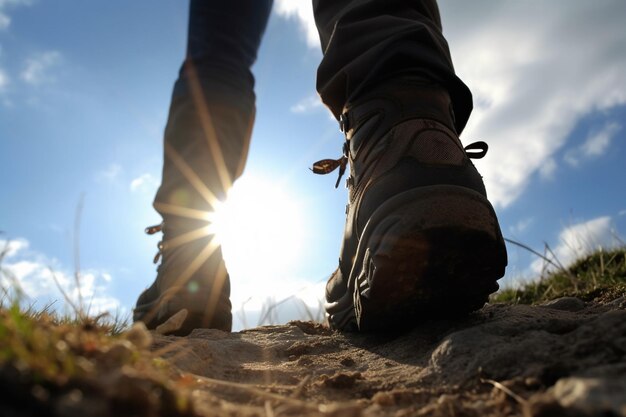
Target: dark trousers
{"x":365,"y":44}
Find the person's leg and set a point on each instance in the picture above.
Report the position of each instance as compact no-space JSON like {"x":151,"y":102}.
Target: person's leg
{"x":206,"y":142}
{"x":421,"y":237}
{"x":366,"y":42}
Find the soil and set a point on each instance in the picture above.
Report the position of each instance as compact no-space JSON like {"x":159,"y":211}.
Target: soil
{"x":564,"y":358}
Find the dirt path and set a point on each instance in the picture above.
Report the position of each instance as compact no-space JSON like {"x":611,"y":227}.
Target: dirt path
{"x":567,"y":358}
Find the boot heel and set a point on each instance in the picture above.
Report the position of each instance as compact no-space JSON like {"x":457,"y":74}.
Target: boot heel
{"x":434,"y":249}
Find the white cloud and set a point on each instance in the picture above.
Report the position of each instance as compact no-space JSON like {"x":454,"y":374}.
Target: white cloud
{"x":145,"y":182}
{"x":35,"y":274}
{"x":8,"y":248}
{"x":111,"y":173}
{"x":37,"y":68}
{"x":579,"y":240}
{"x":311,"y":104}
{"x":4,"y":83}
{"x":535,"y":70}
{"x":302,"y":11}
{"x":4,"y":80}
{"x":547,"y":169}
{"x":595,"y":145}
{"x":307,"y":104}
{"x":5,"y":19}
{"x":521,"y":226}
{"x":5,"y":22}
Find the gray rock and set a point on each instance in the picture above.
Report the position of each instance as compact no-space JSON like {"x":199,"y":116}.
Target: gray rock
{"x":566,"y":304}
{"x":592,"y":396}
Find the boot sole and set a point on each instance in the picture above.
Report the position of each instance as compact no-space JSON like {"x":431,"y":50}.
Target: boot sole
{"x":170,"y":302}
{"x":429,"y":252}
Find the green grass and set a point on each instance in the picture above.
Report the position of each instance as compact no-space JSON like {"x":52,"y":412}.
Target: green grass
{"x":76,"y":364}
{"x":47,"y":362}
{"x":600,"y":276}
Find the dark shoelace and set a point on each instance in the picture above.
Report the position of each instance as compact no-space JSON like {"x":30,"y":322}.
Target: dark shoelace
{"x":476,"y":150}
{"x":152,"y":230}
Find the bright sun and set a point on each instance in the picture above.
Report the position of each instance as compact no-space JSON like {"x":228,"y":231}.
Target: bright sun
{"x":260,"y":228}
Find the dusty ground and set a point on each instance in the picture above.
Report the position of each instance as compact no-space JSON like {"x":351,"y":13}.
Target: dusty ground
{"x":567,"y":358}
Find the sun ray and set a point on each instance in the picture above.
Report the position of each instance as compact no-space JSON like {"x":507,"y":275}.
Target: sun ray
{"x":197,"y":262}
{"x":208,"y":127}
{"x":183,"y":278}
{"x":181,"y":211}
{"x":196,"y":234}
{"x":219,"y":279}
{"x":190,"y":175}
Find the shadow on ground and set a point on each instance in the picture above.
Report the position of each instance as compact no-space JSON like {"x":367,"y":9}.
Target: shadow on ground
{"x":565,"y":358}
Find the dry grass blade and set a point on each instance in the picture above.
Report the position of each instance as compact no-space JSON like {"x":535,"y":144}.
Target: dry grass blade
{"x":259,"y":392}
{"x":506,"y":390}
{"x":562,"y":268}
{"x":19,"y":293}
{"x":66,"y":297}
{"x":534,"y":252}
{"x":269,"y":312}
{"x":298,"y":391}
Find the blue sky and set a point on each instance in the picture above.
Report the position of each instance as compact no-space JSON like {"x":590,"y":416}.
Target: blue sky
{"x":84,"y":93}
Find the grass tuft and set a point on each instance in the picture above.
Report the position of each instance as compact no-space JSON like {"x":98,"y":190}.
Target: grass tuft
{"x":71,"y":367}
{"x":600,"y":276}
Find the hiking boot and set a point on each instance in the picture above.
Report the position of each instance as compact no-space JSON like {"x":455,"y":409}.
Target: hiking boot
{"x":206,"y":141}
{"x":421,"y":239}
{"x":192,"y":277}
